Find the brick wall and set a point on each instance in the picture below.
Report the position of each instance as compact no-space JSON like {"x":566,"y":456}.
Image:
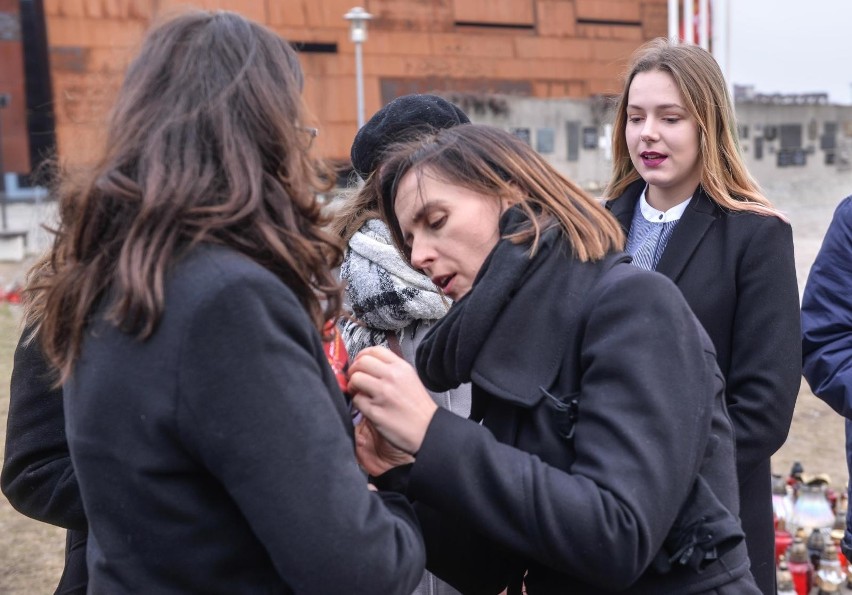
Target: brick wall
{"x":13,"y":118}
{"x":541,"y":48}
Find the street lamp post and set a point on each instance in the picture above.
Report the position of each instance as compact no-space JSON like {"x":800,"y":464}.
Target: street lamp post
{"x":358,"y":18}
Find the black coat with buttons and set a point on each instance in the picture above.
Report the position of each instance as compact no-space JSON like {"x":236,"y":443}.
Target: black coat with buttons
{"x":603,"y":460}
{"x":738,"y":275}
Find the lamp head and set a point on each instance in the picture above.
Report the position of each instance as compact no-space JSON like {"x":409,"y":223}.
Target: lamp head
{"x":358,"y":19}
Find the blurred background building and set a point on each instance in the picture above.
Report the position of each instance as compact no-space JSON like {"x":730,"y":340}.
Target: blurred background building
{"x":62,"y":60}
{"x":545,"y":69}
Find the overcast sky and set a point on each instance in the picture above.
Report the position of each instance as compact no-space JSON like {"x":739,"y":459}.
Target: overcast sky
{"x":792,"y":46}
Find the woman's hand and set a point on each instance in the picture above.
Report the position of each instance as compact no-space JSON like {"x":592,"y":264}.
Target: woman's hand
{"x":375,"y":454}
{"x":389,"y":393}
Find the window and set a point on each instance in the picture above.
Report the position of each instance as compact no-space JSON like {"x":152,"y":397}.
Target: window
{"x":590,"y":137}
{"x":791,"y":136}
{"x":544,"y":138}
{"x":572,"y":130}
{"x":523,"y":134}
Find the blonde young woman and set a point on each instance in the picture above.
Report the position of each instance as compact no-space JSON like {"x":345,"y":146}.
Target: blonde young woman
{"x":692,"y":212}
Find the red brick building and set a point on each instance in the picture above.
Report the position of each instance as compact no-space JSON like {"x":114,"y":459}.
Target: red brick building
{"x":537,"y":48}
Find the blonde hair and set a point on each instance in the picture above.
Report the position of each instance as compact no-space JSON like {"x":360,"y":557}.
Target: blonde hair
{"x":724,"y":176}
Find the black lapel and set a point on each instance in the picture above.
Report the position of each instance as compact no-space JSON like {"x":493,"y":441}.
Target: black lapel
{"x":623,"y":206}
{"x":693,"y":225}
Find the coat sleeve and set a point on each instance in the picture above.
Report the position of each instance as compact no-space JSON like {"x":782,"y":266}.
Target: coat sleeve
{"x":827,"y":316}
{"x":37,"y":476}
{"x":765,"y":370}
{"x":258,"y":410}
{"x":649,"y":380}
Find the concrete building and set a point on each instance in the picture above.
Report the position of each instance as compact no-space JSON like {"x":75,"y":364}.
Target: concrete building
{"x":786,"y":140}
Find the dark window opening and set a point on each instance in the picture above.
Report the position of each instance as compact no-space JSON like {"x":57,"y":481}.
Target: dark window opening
{"x":516,"y":26}
{"x":609,"y":23}
{"x":590,"y":137}
{"x":572,"y":130}
{"x":544,"y":140}
{"x":791,"y":136}
{"x":522,"y":133}
{"x":828,"y":140}
{"x":313,"y":47}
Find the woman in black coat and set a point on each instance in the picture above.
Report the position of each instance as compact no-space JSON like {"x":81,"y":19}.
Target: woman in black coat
{"x":599,"y":457}
{"x":189,"y":289}
{"x":691,"y":212}
{"x":38,"y":478}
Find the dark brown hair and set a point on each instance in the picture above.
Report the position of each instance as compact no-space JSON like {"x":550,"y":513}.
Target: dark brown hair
{"x":204,"y":144}
{"x":493,"y":162}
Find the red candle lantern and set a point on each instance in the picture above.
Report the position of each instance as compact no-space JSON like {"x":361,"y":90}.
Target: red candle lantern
{"x":799,"y":564}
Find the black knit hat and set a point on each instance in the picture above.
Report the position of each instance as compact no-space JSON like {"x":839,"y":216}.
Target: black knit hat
{"x":401,"y":119}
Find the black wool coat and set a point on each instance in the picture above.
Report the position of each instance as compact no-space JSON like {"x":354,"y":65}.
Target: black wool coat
{"x":38,"y":478}
{"x":217,"y":455}
{"x":738,"y":275}
{"x":603,"y":460}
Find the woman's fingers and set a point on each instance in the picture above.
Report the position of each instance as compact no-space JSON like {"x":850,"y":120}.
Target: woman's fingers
{"x":375,"y":361}
{"x":381,"y":353}
{"x":388,"y":392}
{"x":381,"y":372}
{"x":375,"y":454}
{"x":364,"y":384}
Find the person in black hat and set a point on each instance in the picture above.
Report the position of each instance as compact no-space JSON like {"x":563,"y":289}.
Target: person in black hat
{"x":392,"y":304}
{"x":403,"y":117}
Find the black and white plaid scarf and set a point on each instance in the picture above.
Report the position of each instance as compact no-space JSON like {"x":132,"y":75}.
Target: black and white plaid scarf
{"x":384,"y":292}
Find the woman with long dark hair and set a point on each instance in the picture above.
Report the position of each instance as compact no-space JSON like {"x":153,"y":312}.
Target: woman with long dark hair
{"x":184,"y":309}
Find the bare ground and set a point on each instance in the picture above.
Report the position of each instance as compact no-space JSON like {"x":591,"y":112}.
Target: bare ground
{"x":31,"y":553}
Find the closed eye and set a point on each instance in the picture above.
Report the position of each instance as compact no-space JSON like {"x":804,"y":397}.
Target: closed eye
{"x":437,"y":223}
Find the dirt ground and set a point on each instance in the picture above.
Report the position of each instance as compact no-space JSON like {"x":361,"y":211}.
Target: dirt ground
{"x":31,"y":553}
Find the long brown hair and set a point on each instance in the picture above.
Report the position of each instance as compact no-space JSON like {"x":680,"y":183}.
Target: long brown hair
{"x":357,"y":206}
{"x":724,"y":176}
{"x":495,"y":163}
{"x":204,"y":144}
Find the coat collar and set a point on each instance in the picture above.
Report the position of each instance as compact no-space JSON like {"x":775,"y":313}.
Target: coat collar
{"x":687,"y":235}
{"x":529,"y":339}
{"x":509,"y":334}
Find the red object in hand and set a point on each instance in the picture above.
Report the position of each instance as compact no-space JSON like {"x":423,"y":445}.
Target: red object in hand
{"x":338,"y":357}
